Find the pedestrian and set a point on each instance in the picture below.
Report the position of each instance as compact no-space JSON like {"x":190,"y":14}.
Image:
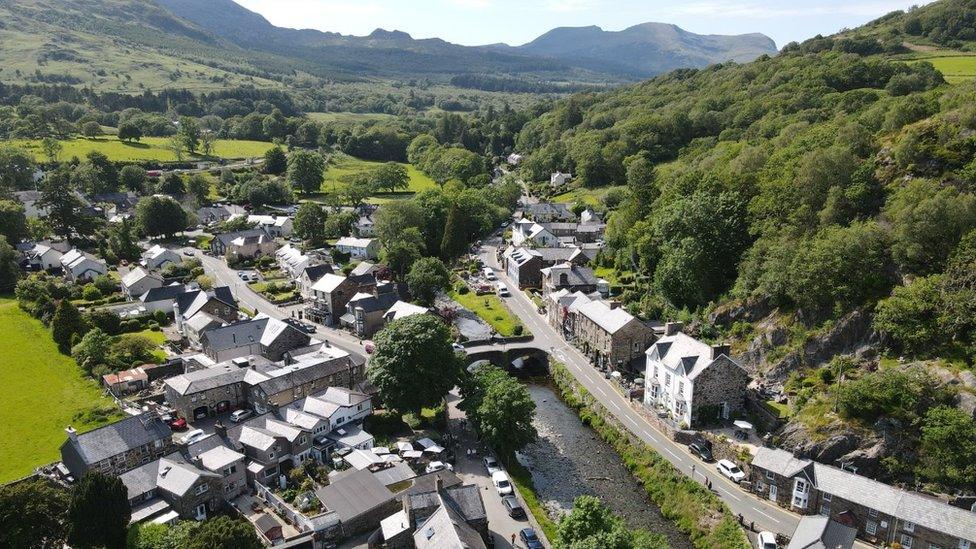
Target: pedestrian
{"x":752,"y":526}
{"x":513,"y":540}
{"x":741,"y":520}
{"x":692,"y":470}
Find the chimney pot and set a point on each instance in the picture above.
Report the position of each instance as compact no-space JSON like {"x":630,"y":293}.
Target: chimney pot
{"x":72,"y":434}
{"x":672,"y":328}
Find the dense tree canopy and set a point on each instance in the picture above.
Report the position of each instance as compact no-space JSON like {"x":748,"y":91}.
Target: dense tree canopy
{"x":98,"y":513}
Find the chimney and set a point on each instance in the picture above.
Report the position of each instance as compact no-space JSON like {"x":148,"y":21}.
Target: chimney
{"x":719,"y":350}
{"x":614,"y":305}
{"x":438,"y":483}
{"x":672,"y":328}
{"x":72,"y":434}
{"x":220,"y":430}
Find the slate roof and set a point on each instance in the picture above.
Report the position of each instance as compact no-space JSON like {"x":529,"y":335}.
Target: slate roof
{"x":235,"y":335}
{"x":398,"y":472}
{"x":446,"y":529}
{"x":315,"y":272}
{"x":684,"y":354}
{"x":372,"y":303}
{"x":610,"y":320}
{"x":344,"y":397}
{"x":227,"y":238}
{"x":353,"y":242}
{"x":464,"y":498}
{"x":219,"y":457}
{"x":402,"y":309}
{"x":353,"y":494}
{"x":177,"y":477}
{"x":904,"y":505}
{"x":328,"y":283}
{"x":113,"y":439}
{"x":575,"y":275}
{"x":206,"y":379}
{"x":140,"y":480}
{"x":819,"y":532}
{"x":163,"y":293}
{"x":134,"y":276}
{"x":551,"y":210}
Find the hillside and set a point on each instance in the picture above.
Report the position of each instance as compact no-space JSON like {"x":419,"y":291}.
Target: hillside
{"x":647,"y":49}
{"x":806,"y":206}
{"x":118,"y":45}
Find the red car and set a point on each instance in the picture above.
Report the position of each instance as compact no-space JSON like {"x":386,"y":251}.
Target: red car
{"x":178,"y":424}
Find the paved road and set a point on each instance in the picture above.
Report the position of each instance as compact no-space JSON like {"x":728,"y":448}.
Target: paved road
{"x":223,"y":275}
{"x":765,"y":515}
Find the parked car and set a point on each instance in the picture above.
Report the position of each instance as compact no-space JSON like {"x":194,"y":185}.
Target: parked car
{"x":702,"y":449}
{"x":435,"y":466}
{"x":766,"y":540}
{"x":513,"y":507}
{"x":730,"y":470}
{"x":195,"y":435}
{"x":300,"y":326}
{"x":530,"y":539}
{"x":458,"y":348}
{"x":240,"y":415}
{"x":503,"y":290}
{"x":490,"y":274}
{"x":177,"y":424}
{"x":502,"y":483}
{"x":491,"y":464}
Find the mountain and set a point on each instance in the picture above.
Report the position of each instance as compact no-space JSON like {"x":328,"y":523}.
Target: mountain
{"x":643,"y":50}
{"x":639,"y":51}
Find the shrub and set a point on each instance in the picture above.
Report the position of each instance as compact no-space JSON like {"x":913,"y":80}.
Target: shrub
{"x":91,"y":293}
{"x":518,"y":329}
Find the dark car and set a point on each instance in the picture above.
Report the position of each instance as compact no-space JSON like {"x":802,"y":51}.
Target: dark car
{"x":702,"y":449}
{"x":513,"y":507}
{"x":530,"y":539}
{"x":300,"y":326}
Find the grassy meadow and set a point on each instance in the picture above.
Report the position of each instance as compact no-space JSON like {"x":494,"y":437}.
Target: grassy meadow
{"x":348,"y":118}
{"x":343,"y":169}
{"x":955,"y":66}
{"x":490,"y":309}
{"x":41,"y":393}
{"x":148,"y":149}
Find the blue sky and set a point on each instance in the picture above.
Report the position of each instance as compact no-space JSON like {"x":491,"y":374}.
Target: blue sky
{"x":474,"y":22}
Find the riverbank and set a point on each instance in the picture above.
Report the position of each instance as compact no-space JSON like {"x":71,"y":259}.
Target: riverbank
{"x":696,"y":511}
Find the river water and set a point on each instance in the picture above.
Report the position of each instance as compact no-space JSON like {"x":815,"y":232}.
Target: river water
{"x":570,"y":460}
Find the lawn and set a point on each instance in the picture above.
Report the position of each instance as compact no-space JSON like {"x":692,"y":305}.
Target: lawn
{"x":348,"y":118}
{"x":955,"y":68}
{"x":491,"y":309}
{"x":590,"y":197}
{"x":344,"y":168}
{"x":148,"y":149}
{"x":41,"y":393}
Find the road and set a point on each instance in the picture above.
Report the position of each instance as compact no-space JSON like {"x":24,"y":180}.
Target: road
{"x":765,"y":515}
{"x":223,"y":275}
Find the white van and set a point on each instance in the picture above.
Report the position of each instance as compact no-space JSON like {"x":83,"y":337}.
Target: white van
{"x":502,"y":483}
{"x":489,"y":274}
{"x":503,"y":290}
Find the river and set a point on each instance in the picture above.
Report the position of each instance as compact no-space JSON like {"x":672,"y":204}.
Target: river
{"x":570,"y":460}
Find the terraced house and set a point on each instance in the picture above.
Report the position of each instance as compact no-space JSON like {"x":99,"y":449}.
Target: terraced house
{"x":117,"y":447}
{"x":882,"y":514}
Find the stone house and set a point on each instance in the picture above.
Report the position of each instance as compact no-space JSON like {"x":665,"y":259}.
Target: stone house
{"x":332,"y":292}
{"x":262,"y":335}
{"x":292,"y":260}
{"x":365,"y":313}
{"x":527,"y":233}
{"x":567,"y":276}
{"x":548,"y":212}
{"x":238,"y":242}
{"x":82,"y":266}
{"x":138,"y":281}
{"x":225,"y":462}
{"x":360,"y":500}
{"x":117,"y":447}
{"x":359,"y":248}
{"x":340,"y":406}
{"x":430,"y":497}
{"x":882,"y":514}
{"x":609,"y":335}
{"x":309,"y":276}
{"x":158,"y":257}
{"x":693,"y":381}
{"x":276,"y":226}
{"x":191,"y":492}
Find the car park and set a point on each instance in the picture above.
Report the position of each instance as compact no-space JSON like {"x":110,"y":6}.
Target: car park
{"x":766,"y":540}
{"x":513,"y":507}
{"x":491,"y":464}
{"x":730,"y":470}
{"x":702,"y":449}
{"x":530,"y":539}
{"x":240,"y":415}
{"x":503,"y":485}
{"x":195,"y":435}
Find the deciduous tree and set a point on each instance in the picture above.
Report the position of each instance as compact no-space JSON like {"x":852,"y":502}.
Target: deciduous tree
{"x":427,"y":276}
{"x":160,"y":216}
{"x":310,"y":223}
{"x":306,"y":170}
{"x":32,"y":515}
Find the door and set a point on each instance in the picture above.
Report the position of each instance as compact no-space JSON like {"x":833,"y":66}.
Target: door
{"x":725,"y":410}
{"x":201,"y":512}
{"x":772,"y":492}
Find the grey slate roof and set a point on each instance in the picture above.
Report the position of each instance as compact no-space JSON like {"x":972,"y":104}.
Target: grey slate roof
{"x":112,"y":439}
{"x":820,"y":532}
{"x":546,"y":209}
{"x":208,"y":378}
{"x":354,"y":493}
{"x":575,"y":275}
{"x":316,"y":272}
{"x":446,"y":529}
{"x":162,"y":293}
{"x":904,"y":505}
{"x":374,"y":303}
{"x":226,"y":238}
{"x":235,"y":335}
{"x":399,"y":472}
{"x":140,"y":480}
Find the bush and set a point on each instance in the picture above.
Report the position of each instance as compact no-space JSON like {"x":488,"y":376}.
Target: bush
{"x":91,"y":293}
{"x":161,"y":318}
{"x":518,"y":329}
{"x":463,"y":289}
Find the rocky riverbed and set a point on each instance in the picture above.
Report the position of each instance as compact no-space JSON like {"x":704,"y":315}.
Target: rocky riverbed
{"x":570,"y":460}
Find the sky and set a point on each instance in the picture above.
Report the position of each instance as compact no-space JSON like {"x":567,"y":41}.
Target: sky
{"x":477,"y":22}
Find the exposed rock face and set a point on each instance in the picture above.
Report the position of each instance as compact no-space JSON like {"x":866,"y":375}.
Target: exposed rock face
{"x":863,"y":449}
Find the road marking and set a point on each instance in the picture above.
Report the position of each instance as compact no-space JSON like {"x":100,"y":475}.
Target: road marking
{"x":602,"y":392}
{"x":730,"y":494}
{"x":763,"y":514}
{"x":674,"y":455}
{"x":616,"y":407}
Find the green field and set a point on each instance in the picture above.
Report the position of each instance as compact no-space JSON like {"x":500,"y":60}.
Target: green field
{"x":955,"y":68}
{"x":41,"y":393}
{"x":590,"y":197}
{"x":491,"y":309}
{"x":344,"y":168}
{"x":148,"y":149}
{"x":347,"y":118}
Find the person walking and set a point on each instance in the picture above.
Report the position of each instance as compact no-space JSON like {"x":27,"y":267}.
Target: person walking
{"x":513,"y":539}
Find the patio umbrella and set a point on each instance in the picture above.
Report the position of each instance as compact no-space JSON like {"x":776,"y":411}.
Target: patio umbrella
{"x":744,"y":425}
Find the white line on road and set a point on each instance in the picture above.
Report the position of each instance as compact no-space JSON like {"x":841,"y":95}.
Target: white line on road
{"x":602,"y":392}
{"x":730,"y":494}
{"x":763,"y":514}
{"x":674,"y":455}
{"x":616,"y":406}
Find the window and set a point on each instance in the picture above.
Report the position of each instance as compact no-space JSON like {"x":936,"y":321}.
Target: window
{"x":230,"y":470}
{"x":825,"y":496}
{"x":871,"y":527}
{"x":770,"y":475}
{"x":667,"y":380}
{"x":270,"y":455}
{"x":303,"y":439}
{"x":963,"y":544}
{"x":681,"y":387}
{"x":825,"y":509}
{"x":873,"y":512}
{"x":202,"y":489}
{"x":906,"y":541}
{"x":230,"y":487}
{"x":909,"y":526}
{"x":201,"y":512}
